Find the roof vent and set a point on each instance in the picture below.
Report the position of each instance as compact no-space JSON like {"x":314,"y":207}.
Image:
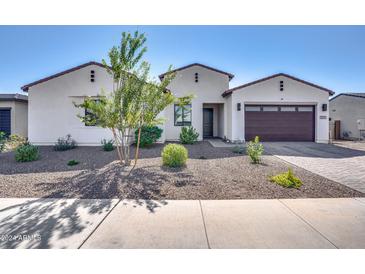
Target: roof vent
{"x":281,"y":85}
{"x":196,"y":77}
{"x":92,"y":76}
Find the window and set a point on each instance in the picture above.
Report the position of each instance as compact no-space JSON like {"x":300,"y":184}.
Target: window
{"x":305,"y":109}
{"x":92,"y":121}
{"x":287,"y":109}
{"x":269,"y":108}
{"x":182,"y":115}
{"x":253,"y":108}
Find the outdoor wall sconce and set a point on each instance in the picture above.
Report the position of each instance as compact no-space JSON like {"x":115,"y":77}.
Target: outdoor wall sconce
{"x":238,"y":106}
{"x":324,"y":107}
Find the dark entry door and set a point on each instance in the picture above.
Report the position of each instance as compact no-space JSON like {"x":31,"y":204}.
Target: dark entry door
{"x":207,"y":122}
{"x":279,"y":123}
{"x":5,"y":124}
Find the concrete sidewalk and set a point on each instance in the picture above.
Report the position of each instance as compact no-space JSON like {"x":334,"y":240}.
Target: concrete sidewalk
{"x":287,"y":223}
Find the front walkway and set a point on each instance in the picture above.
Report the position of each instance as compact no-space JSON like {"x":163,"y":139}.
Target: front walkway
{"x":288,"y":223}
{"x":344,"y":165}
{"x":217,"y":142}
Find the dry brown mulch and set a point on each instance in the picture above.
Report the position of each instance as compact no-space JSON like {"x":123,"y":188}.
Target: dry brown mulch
{"x":210,"y":173}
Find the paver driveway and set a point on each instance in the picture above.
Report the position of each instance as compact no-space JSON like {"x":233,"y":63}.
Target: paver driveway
{"x":340,"y":164}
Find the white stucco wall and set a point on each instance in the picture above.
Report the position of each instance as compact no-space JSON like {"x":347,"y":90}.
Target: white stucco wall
{"x":348,"y":110}
{"x":209,"y":89}
{"x":268,"y":92}
{"x":18,"y":116}
{"x":52,"y":113}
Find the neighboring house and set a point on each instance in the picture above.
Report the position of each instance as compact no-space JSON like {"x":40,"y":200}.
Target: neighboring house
{"x":348,"y":108}
{"x":14,"y":114}
{"x":277,"y":108}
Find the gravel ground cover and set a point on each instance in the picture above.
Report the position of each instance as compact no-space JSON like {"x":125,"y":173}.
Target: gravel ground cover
{"x":210,"y":173}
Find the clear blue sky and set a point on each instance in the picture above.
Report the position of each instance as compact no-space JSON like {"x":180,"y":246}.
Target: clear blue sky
{"x":331,"y":56}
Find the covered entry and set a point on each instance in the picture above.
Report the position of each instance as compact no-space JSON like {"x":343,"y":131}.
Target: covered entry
{"x":213,"y":120}
{"x":279,"y":122}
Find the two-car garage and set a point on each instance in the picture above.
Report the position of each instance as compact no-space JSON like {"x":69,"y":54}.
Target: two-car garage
{"x":280,"y":122}
{"x":279,"y":108}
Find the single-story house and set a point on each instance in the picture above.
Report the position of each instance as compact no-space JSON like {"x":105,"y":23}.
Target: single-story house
{"x":277,"y":108}
{"x":14,"y":114}
{"x":349,"y":108}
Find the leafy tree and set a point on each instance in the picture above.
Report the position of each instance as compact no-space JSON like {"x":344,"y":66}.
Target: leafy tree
{"x":135,"y":100}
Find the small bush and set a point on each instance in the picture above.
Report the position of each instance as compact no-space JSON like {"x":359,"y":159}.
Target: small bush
{"x":15,"y":141}
{"x":149,"y":135}
{"x":255,"y":150}
{"x":2,"y":140}
{"x":188,"y":135}
{"x":65,"y":143}
{"x":238,"y":149}
{"x":287,"y":179}
{"x":17,"y":138}
{"x":26,"y":153}
{"x":174,"y":155}
{"x":108,"y":145}
{"x":72,"y":163}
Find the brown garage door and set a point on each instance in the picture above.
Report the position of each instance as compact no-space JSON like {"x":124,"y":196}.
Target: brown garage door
{"x":279,"y":123}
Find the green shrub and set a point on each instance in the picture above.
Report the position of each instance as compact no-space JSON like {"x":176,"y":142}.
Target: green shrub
{"x":26,"y":153}
{"x":65,"y":143}
{"x":15,"y":141}
{"x":107,"y":145}
{"x":255,"y":150}
{"x":17,"y":138}
{"x":188,"y":135}
{"x":287,"y":179}
{"x":72,"y":163}
{"x":2,"y":140}
{"x":149,"y":135}
{"x":174,"y":155}
{"x":238,"y":149}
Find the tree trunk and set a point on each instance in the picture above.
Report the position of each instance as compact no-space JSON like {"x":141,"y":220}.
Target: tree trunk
{"x":118,"y":146}
{"x":126,"y":147}
{"x":137,"y":149}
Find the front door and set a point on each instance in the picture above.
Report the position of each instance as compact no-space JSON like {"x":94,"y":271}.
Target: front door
{"x":207,"y":122}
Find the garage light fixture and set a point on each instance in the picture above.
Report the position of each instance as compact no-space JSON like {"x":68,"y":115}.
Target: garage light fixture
{"x":324,"y":107}
{"x":238,"y":106}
